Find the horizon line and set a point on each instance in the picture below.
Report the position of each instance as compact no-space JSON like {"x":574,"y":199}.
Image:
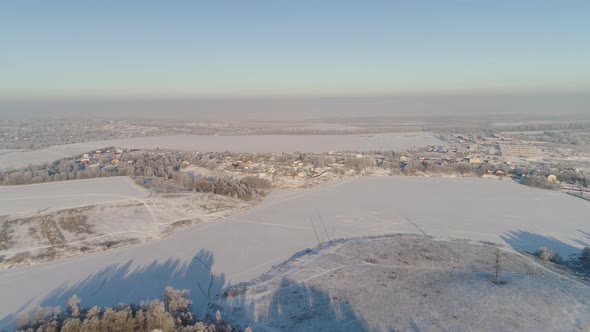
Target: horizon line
{"x":278,"y":96}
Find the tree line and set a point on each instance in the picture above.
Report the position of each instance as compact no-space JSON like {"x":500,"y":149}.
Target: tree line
{"x":172,"y":313}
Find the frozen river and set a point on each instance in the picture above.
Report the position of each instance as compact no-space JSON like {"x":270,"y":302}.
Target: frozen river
{"x":253,"y":144}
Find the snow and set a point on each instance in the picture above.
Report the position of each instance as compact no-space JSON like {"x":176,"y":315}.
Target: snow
{"x":244,"y":246}
{"x":87,"y":229}
{"x":67,"y":194}
{"x":252,"y":143}
{"x":23,"y":158}
{"x":411,"y":283}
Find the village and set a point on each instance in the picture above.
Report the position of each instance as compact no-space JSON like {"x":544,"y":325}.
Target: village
{"x":459,"y":154}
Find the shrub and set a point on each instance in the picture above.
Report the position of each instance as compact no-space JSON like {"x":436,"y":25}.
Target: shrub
{"x":371,"y":260}
{"x":547,"y":255}
{"x":178,"y":304}
{"x":540,"y":182}
{"x":256,"y":182}
{"x":358,"y":164}
{"x":226,"y":186}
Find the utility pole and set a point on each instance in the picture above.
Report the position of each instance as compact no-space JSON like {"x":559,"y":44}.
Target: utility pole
{"x":498,"y":277}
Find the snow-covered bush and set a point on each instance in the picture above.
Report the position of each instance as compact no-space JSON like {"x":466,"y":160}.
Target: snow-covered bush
{"x":547,"y":255}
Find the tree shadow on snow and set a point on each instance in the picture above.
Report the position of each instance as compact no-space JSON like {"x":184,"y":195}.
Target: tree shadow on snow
{"x":530,"y":242}
{"x":292,"y":306}
{"x":129,"y":284}
{"x":585,"y":234}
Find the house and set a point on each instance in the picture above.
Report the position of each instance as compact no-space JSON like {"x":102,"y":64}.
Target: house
{"x":519,"y":150}
{"x":474,"y":160}
{"x":115,"y":162}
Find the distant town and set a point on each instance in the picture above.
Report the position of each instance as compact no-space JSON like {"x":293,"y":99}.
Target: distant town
{"x":545,"y":159}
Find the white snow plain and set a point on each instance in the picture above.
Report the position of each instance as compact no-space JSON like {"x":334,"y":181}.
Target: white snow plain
{"x":253,"y":144}
{"x":67,"y":194}
{"x":207,"y":257}
{"x":408,"y":283}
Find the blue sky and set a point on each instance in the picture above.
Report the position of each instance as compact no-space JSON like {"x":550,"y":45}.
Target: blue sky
{"x":280,"y":47}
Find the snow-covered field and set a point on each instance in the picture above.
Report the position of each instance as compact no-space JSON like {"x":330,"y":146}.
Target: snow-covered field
{"x":67,"y":194}
{"x":48,"y":221}
{"x":242,"y":247}
{"x":408,"y":283}
{"x":254,"y":143}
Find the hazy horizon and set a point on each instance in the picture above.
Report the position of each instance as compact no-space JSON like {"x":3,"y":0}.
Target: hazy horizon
{"x":265,"y":48}
{"x":269,"y":60}
{"x":306,"y":108}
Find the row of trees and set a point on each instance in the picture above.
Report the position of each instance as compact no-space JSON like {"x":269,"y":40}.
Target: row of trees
{"x":530,"y":176}
{"x":414,"y":167}
{"x":247,"y":188}
{"x":174,"y":313}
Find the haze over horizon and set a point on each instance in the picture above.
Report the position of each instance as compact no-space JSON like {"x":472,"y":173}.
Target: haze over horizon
{"x":339,"y":109}
{"x":62,"y":50}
